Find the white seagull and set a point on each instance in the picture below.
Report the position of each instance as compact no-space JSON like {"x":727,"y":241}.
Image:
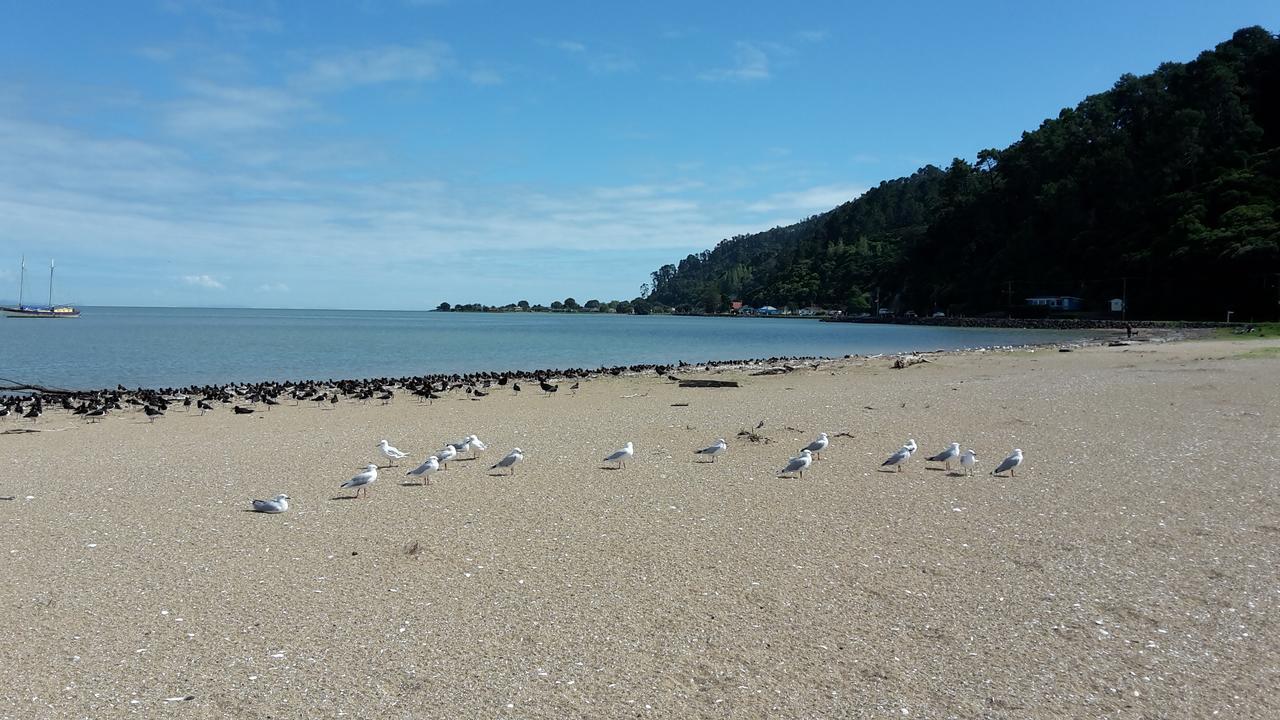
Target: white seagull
{"x":363,"y":480}
{"x":278,"y":504}
{"x":510,"y":461}
{"x":447,"y":453}
{"x":898,"y":458}
{"x":798,"y":464}
{"x":475,"y":445}
{"x":968,"y":460}
{"x":946,"y":456}
{"x":1009,"y":463}
{"x":817,"y":446}
{"x":392,"y":454}
{"x":621,"y":456}
{"x":427,"y":467}
{"x":713,"y":450}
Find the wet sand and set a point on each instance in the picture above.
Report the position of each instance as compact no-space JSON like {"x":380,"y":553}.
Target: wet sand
{"x":1130,"y":570}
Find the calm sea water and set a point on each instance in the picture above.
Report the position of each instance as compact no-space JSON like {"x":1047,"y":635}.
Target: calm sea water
{"x":159,"y":347}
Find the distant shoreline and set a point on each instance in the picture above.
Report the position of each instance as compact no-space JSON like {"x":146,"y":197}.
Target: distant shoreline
{"x":477,"y":377}
{"x":1039,"y":323}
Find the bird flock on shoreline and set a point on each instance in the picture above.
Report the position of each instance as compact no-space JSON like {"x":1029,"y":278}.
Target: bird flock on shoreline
{"x":472,"y":447}
{"x":246,"y":399}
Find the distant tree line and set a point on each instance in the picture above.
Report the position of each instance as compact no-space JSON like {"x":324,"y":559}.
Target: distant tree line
{"x":638,"y":306}
{"x":1164,"y":189}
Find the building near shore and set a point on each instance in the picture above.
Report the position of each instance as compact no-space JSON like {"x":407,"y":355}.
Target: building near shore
{"x":1057,"y":302}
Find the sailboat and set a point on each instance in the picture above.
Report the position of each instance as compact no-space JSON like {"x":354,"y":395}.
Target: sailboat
{"x":39,"y":311}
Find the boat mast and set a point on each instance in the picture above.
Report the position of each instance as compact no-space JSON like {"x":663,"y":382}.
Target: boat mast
{"x":22,"y":279}
{"x":50,"y":282}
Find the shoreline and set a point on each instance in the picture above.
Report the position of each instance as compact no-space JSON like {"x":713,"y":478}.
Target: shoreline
{"x":479,"y":377}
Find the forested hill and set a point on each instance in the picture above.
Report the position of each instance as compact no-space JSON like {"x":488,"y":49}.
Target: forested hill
{"x":1171,"y":180}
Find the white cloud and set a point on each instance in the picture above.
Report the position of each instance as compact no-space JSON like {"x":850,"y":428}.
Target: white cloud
{"x":222,"y":109}
{"x":609,"y":63}
{"x":485,"y":76}
{"x":374,"y":66}
{"x":204,"y":281}
{"x":750,"y":62}
{"x":599,"y":62}
{"x":135,"y":208}
{"x":225,"y":17}
{"x":821,"y":199}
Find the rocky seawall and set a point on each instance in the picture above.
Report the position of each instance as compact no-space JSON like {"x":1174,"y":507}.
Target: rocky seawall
{"x":1037,"y":323}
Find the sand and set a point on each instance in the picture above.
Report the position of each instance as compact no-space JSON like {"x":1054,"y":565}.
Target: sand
{"x":1129,"y":570}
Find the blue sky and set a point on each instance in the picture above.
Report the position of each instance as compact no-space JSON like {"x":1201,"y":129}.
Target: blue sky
{"x":393,"y":154}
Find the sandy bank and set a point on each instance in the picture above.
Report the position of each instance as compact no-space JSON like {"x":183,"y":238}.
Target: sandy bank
{"x":1129,"y":570}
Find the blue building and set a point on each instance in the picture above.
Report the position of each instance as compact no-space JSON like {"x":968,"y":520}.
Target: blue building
{"x":1057,"y":302}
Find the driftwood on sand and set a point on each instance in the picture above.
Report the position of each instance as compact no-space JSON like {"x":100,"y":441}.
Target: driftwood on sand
{"x":906,"y":361}
{"x":708,"y":383}
{"x":773,"y":371}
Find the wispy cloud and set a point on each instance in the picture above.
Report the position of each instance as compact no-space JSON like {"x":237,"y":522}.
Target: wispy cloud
{"x":821,"y":198}
{"x":485,"y":76}
{"x":138,"y":207}
{"x":610,"y":63}
{"x":750,"y":62}
{"x":204,"y":281}
{"x":220,"y":109}
{"x":596,"y":60}
{"x":374,"y":66}
{"x":226,"y":17}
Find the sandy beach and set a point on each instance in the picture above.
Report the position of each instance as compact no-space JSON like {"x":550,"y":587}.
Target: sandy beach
{"x":1129,"y":570}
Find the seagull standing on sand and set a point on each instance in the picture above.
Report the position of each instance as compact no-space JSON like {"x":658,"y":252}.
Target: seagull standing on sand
{"x":510,"y":461}
{"x":621,"y":456}
{"x":363,"y":480}
{"x":968,"y":460}
{"x":898,"y":458}
{"x":427,"y":467}
{"x":391,"y":453}
{"x":817,"y":446}
{"x":470,"y":444}
{"x":1009,"y":463}
{"x":946,"y":456}
{"x":447,"y":453}
{"x":278,"y":504}
{"x":798,"y":464}
{"x":713,"y":450}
